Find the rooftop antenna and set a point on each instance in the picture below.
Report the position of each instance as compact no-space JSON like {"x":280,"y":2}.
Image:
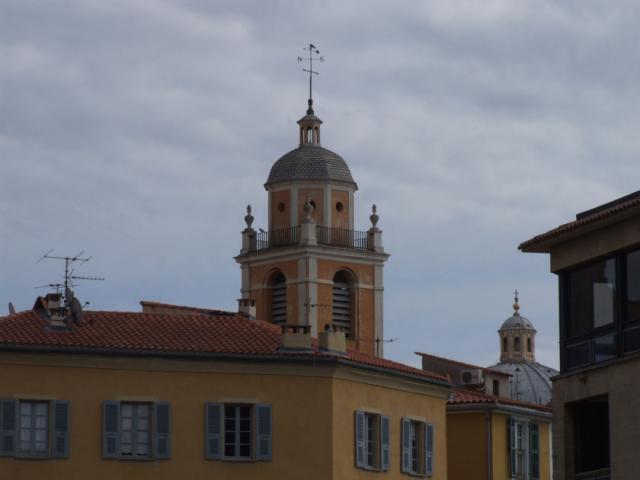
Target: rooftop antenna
{"x":70,"y":264}
{"x":383,"y":341}
{"x":314,"y":54}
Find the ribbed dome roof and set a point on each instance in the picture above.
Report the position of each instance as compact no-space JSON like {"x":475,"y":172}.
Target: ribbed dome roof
{"x":530,"y":381}
{"x":310,"y":162}
{"x":517,"y":322}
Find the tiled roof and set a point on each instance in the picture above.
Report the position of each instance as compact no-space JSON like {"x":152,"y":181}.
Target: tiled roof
{"x":175,"y":334}
{"x":586,"y":218}
{"x":469,"y":397}
{"x":159,"y":307}
{"x":310,"y":162}
{"x":462,"y":364}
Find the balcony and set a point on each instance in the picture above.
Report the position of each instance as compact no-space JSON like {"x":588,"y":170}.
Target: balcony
{"x":331,"y":237}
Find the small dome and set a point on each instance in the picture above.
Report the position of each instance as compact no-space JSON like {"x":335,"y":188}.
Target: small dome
{"x":517,"y":322}
{"x":529,"y":382}
{"x":310,"y":162}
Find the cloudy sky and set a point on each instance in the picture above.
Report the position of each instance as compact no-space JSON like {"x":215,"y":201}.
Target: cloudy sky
{"x":138,"y":131}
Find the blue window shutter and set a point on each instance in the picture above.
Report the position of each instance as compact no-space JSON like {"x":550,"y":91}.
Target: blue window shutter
{"x":385,"y":443}
{"x":213,"y":430}
{"x":8,"y":427}
{"x":263,"y":432}
{"x":406,"y":445}
{"x":428,"y":454}
{"x":162,"y":423}
{"x":534,"y":451}
{"x":360,"y":439}
{"x":61,"y":411}
{"x":110,"y":429}
{"x":511,"y":444}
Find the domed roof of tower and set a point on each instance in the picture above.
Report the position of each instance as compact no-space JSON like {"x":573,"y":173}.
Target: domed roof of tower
{"x":310,"y":161}
{"x":517,"y":321}
{"x":530,"y":381}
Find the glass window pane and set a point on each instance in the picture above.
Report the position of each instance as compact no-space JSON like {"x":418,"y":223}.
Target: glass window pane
{"x":143,"y":410}
{"x":604,"y":348}
{"x":25,"y":408}
{"x":41,"y":408}
{"x":126,"y":410}
{"x":25,"y":421}
{"x":40,"y":435}
{"x":127,"y":424}
{"x":578,"y":354}
{"x":591,"y":297}
{"x":632,"y":340}
{"x":143,"y":424}
{"x":41,"y":422}
{"x":633,"y":286}
{"x":245,"y":450}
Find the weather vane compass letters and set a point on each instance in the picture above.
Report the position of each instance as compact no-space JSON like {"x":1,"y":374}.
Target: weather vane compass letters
{"x":314,"y":54}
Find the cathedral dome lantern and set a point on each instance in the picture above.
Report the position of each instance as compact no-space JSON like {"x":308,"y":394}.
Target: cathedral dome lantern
{"x":530,"y":380}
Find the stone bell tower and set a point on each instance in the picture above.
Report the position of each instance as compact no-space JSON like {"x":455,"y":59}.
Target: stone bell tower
{"x":311,"y":267}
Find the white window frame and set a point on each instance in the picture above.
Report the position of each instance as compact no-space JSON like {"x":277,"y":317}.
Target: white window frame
{"x":522,"y":448}
{"x":32,"y":428}
{"x":136,"y":431}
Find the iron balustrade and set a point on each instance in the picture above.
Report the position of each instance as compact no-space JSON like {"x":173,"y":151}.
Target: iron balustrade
{"x":332,"y":237}
{"x":342,"y":237}
{"x":278,"y":238}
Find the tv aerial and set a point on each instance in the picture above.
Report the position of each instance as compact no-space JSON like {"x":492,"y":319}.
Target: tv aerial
{"x":70,"y":266}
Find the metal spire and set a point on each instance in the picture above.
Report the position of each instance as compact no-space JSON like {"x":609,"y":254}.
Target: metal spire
{"x":314,"y":54}
{"x":516,"y":306}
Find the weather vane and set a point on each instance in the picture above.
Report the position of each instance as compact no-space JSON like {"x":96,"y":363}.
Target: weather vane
{"x":314,"y":54}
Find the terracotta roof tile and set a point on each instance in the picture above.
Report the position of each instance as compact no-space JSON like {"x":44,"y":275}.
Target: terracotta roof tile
{"x":469,"y":397}
{"x":463,"y":364}
{"x":585,"y":218}
{"x":155,"y":333}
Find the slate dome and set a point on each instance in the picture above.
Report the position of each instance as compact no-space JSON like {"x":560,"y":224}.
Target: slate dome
{"x":310,"y":162}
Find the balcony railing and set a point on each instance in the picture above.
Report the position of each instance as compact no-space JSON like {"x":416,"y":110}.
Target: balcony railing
{"x":342,"y":237}
{"x":282,"y":237}
{"x":332,"y":237}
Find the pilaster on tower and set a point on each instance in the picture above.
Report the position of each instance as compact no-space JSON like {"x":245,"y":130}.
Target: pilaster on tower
{"x":311,"y":267}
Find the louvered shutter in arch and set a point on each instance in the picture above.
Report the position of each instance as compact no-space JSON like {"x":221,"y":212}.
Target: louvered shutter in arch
{"x":110,"y":429}
{"x":8,"y":424}
{"x":406,"y":445}
{"x":341,"y":305}
{"x":61,"y":412}
{"x":360,"y":434}
{"x":263,"y":432}
{"x":162,"y":427}
{"x":279,"y":299}
{"x":213,"y":430}
{"x":428,"y":453}
{"x":385,"y":443}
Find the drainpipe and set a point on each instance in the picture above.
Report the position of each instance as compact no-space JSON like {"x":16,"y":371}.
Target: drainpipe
{"x":489,"y":429}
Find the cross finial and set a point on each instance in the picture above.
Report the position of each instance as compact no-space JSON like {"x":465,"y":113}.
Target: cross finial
{"x":314,"y":54}
{"x":516,"y":306}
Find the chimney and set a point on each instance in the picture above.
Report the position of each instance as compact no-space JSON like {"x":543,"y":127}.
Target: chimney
{"x":55,"y":311}
{"x":247,"y":306}
{"x":296,"y":338}
{"x":332,"y":340}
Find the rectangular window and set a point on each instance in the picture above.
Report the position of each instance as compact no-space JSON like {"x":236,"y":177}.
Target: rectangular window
{"x":496,"y":388}
{"x":372,"y":441}
{"x":34,"y":428}
{"x":136,"y":430}
{"x":591,"y":435}
{"x":591,"y":297}
{"x":417,"y":447}
{"x":524,"y":449}
{"x":632,"y":293}
{"x":238,"y":431}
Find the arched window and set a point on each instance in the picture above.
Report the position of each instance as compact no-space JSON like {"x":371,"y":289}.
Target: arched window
{"x":529,"y":344}
{"x":516,"y":344}
{"x":309,"y":135}
{"x":278,"y":299}
{"x":504,"y":345}
{"x":342,"y":301}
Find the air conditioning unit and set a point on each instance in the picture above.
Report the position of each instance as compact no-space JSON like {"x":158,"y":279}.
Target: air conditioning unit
{"x":472,"y":376}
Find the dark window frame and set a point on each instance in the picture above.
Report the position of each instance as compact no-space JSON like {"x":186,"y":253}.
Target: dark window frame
{"x":620,"y":328}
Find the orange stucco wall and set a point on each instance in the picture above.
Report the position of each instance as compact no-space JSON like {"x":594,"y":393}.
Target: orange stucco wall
{"x":280,"y":219}
{"x":313,"y":408}
{"x":340,"y":219}
{"x":349,"y":397}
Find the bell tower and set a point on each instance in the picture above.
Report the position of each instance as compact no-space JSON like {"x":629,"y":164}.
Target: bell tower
{"x":311,"y":267}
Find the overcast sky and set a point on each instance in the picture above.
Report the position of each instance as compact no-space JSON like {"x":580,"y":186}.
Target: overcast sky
{"x":139,"y":130}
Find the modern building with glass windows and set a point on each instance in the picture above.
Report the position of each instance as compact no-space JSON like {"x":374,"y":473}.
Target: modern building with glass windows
{"x":597,"y":394}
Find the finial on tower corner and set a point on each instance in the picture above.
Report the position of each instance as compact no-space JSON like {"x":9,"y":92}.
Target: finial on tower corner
{"x":248,"y":218}
{"x":374,"y":216}
{"x":516,"y":306}
{"x":308,"y":210}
